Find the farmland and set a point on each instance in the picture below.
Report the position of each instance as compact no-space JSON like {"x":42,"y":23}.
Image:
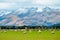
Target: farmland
{"x":29,"y":35}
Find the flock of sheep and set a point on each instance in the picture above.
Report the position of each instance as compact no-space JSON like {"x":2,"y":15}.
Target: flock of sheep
{"x":30,"y":30}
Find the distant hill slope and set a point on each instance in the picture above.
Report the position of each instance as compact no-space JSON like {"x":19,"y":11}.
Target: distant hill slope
{"x":30,"y":16}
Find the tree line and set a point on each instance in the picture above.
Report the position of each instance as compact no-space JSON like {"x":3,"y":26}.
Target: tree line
{"x":30,"y":27}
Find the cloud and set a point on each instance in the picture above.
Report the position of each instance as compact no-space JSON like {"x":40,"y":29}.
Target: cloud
{"x":4,"y":5}
{"x":30,"y":3}
{"x":12,"y":0}
{"x":7,"y":5}
{"x":46,"y":2}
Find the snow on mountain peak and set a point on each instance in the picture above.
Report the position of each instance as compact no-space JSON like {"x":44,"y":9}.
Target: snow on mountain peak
{"x":39,"y":10}
{"x":47,"y":9}
{"x":32,"y":16}
{"x":4,"y":12}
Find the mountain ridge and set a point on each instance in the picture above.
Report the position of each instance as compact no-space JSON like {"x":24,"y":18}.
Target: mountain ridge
{"x":31,"y":17}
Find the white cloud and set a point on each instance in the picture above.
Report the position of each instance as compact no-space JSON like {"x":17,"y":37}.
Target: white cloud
{"x":7,"y":5}
{"x":46,"y":2}
{"x":30,"y":3}
{"x":13,"y":0}
{"x":4,"y":5}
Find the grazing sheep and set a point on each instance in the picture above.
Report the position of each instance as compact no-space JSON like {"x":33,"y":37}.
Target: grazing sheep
{"x":30,"y":30}
{"x":5,"y":31}
{"x":53,"y":32}
{"x":15,"y":30}
{"x":39,"y":31}
{"x":24,"y":32}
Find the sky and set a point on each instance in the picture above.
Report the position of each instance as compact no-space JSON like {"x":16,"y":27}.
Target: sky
{"x":29,"y":3}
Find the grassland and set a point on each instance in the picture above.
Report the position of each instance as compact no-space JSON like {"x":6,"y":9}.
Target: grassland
{"x":33,"y":35}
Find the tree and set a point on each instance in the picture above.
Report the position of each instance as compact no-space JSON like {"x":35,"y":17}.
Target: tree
{"x":0,"y":27}
{"x":42,"y":27}
{"x":12,"y":27}
{"x":25,"y":27}
{"x":56,"y":26}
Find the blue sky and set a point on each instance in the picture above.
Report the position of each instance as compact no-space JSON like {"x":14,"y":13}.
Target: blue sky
{"x":29,"y":3}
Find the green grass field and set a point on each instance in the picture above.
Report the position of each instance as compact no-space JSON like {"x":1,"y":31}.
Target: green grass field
{"x":34,"y":35}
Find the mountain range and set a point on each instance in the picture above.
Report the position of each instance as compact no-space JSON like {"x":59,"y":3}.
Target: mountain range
{"x":30,"y":17}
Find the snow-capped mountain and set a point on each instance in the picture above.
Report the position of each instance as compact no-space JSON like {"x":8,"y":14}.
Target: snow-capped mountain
{"x":4,"y":12}
{"x":30,"y":16}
